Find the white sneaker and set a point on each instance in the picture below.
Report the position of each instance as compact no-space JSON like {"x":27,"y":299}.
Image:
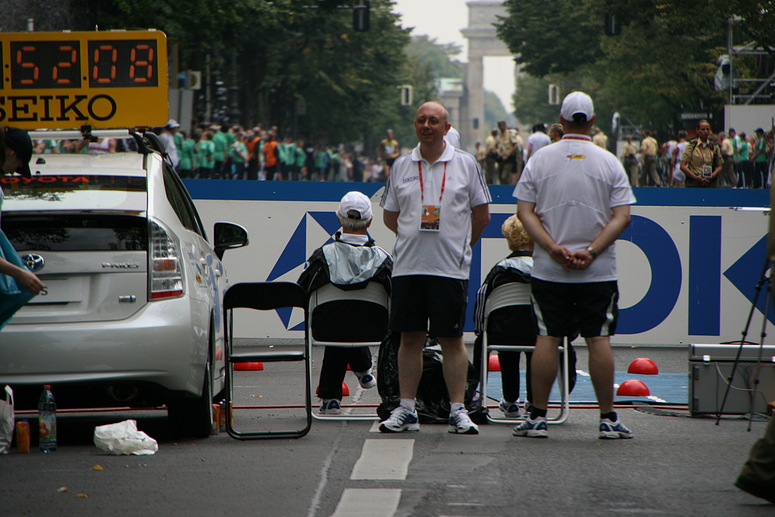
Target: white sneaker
{"x":330,"y":407}
{"x":510,"y":409}
{"x":366,"y":379}
{"x":401,"y":419}
{"x":460,"y":423}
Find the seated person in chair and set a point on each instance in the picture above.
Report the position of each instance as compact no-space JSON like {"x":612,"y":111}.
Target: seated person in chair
{"x":349,"y":263}
{"x":513,"y":325}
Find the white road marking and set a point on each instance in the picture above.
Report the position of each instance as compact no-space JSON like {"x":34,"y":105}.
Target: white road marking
{"x":324,"y":477}
{"x":384,"y":459}
{"x":368,"y":502}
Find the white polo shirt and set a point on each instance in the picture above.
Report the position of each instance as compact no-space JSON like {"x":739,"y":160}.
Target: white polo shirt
{"x":446,"y":252}
{"x":574,"y":184}
{"x":537,"y":140}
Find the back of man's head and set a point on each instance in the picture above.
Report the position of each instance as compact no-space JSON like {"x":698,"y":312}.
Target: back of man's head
{"x":577,"y":108}
{"x":354,"y":212}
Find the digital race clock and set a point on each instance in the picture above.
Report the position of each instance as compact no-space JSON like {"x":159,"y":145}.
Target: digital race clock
{"x":68,"y":79}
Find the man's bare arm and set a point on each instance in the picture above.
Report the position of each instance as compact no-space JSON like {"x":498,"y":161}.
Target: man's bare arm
{"x":618,"y":223}
{"x":535,"y":228}
{"x":479,"y":221}
{"x":391,"y":220}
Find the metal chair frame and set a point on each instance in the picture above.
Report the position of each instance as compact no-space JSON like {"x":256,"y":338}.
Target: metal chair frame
{"x":265,"y":296}
{"x":508,"y":295}
{"x":373,"y":293}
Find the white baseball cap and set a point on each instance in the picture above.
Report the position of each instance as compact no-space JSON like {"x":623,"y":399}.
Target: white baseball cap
{"x":355,"y":205}
{"x":172,"y":124}
{"x":577,"y":103}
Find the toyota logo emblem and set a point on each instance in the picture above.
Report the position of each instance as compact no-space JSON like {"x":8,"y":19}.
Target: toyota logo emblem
{"x":33,"y":262}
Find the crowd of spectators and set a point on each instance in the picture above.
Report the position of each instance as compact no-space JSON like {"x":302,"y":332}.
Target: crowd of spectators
{"x":236,"y":153}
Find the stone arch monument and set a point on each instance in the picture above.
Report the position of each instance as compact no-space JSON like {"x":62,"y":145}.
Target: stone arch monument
{"x":482,"y":41}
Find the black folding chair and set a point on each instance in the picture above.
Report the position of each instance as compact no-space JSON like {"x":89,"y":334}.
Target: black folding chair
{"x":265,"y":296}
{"x":373,"y":306}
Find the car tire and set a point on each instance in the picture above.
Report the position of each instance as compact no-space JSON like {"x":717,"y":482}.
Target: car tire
{"x":193,"y":417}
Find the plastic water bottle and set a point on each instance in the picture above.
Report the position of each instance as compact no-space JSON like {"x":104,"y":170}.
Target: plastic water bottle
{"x":47,"y":420}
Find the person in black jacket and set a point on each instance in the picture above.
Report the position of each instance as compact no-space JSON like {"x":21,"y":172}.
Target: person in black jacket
{"x":349,"y":263}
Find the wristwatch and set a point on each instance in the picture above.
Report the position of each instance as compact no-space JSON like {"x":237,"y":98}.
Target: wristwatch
{"x":592,"y":251}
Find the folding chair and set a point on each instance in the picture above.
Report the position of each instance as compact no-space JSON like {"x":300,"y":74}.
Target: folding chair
{"x":264,"y":296}
{"x":374,"y":304}
{"x":508,"y":295}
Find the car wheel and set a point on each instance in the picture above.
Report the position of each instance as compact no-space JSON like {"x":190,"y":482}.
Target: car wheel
{"x":193,"y":417}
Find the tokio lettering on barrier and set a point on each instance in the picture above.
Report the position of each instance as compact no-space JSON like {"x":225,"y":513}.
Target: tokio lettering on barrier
{"x":68,"y":79}
{"x":688,"y":263}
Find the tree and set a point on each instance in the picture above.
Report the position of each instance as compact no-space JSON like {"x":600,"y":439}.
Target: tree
{"x":440,"y":56}
{"x":493,"y":112}
{"x":531,"y":104}
{"x":284,"y":50}
{"x":552,"y":36}
{"x":660,"y":66}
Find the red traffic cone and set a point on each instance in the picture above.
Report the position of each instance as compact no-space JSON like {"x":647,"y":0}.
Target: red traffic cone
{"x":494,"y":363}
{"x":644,"y":366}
{"x":345,"y":390}
{"x":633,"y":388}
{"x":241,"y":367}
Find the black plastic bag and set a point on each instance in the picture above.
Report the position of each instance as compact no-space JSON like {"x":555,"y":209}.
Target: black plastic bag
{"x":432,"y":399}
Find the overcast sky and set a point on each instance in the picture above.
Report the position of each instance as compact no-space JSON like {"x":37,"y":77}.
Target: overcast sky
{"x":442,"y":20}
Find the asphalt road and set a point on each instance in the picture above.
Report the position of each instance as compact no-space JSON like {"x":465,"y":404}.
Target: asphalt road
{"x":675,"y":465}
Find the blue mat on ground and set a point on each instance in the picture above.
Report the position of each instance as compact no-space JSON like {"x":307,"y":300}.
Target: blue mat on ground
{"x":664,"y":388}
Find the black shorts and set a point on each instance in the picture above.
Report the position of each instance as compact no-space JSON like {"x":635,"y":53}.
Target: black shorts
{"x":560,"y":309}
{"x":419,"y":298}
{"x":389,"y":161}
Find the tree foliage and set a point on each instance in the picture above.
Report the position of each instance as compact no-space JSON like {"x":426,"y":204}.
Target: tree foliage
{"x":440,"y":56}
{"x":552,"y":36}
{"x":285,"y":51}
{"x":660,"y":66}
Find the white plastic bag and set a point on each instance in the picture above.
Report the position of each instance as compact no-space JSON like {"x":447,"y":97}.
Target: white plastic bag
{"x":124,"y":438}
{"x":6,"y":421}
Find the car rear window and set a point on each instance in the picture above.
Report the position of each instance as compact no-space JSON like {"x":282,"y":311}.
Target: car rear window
{"x":76,"y":232}
{"x":75,"y":192}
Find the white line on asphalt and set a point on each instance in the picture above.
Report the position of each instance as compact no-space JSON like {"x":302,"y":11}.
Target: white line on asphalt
{"x":313,"y":507}
{"x":368,"y":502}
{"x":384,"y":459}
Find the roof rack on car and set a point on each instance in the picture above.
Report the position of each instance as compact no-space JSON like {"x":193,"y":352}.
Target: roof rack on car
{"x":144,"y":145}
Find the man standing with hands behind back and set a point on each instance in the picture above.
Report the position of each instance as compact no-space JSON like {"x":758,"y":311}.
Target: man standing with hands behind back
{"x":429,"y":200}
{"x":574,"y":201}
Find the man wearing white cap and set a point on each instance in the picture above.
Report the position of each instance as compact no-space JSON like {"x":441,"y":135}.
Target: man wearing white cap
{"x":574,"y":201}
{"x":350,"y":262}
{"x":167,"y":137}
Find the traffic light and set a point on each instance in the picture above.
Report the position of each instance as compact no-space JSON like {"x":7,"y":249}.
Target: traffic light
{"x":554,"y":95}
{"x":406,"y":95}
{"x":361,"y":16}
{"x":612,"y":27}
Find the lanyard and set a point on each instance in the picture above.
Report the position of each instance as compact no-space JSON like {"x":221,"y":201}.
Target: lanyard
{"x":422,"y":184}
{"x":702,"y":153}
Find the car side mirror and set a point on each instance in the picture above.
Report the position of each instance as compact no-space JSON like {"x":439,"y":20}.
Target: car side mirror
{"x":229,"y":236}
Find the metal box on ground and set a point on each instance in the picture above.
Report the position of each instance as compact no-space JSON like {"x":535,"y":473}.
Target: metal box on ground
{"x":709,"y":369}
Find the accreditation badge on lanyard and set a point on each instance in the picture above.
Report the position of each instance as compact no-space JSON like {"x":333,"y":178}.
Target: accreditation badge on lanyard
{"x":707,"y":170}
{"x":431,"y":214}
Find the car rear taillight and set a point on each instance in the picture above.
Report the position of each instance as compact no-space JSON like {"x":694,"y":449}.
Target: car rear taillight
{"x":166,"y":271}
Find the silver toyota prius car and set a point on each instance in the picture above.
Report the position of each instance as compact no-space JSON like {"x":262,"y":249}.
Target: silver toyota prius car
{"x":131,"y":315}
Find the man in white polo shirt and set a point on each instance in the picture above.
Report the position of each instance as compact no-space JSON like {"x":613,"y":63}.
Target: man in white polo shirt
{"x":574,"y":201}
{"x":437,"y":203}
{"x":537,"y":140}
